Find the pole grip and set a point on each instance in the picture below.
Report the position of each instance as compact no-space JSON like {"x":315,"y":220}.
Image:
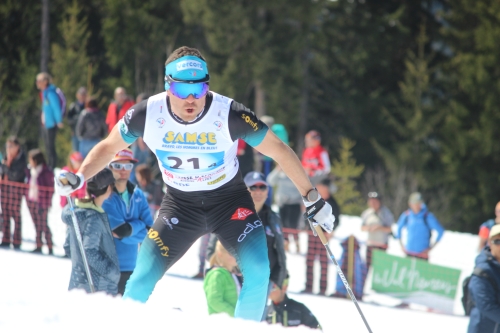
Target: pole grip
{"x":321,"y":234}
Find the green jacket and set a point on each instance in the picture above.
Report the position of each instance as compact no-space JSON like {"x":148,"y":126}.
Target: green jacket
{"x":221,"y":291}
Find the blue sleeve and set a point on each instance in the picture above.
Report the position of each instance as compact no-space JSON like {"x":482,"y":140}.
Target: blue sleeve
{"x":485,"y":298}
{"x":244,"y":124}
{"x":139,"y":225}
{"x":138,"y":232}
{"x":55,"y":106}
{"x":145,"y":211}
{"x":112,"y":208}
{"x":401,"y":223}
{"x":435,"y":225}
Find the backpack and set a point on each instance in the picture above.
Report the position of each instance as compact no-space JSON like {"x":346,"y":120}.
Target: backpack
{"x":467,"y":301}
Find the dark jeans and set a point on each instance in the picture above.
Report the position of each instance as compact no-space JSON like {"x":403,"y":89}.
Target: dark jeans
{"x":124,"y":276}
{"x":50,"y":145}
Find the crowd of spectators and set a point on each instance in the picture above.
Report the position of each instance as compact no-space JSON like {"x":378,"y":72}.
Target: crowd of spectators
{"x":120,"y":203}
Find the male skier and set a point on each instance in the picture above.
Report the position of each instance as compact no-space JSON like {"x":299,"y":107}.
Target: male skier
{"x":194,"y":134}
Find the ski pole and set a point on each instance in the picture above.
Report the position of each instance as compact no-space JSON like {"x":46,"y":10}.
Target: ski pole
{"x":65,"y":181}
{"x":317,"y":230}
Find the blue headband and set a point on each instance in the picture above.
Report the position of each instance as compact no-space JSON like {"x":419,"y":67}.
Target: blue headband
{"x":187,"y":68}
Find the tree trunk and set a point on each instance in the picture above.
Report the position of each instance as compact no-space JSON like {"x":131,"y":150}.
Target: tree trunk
{"x":304,"y":103}
{"x":260,"y":102}
{"x":45,"y":42}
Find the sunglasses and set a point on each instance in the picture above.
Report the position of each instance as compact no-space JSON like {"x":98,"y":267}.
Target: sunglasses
{"x":260,"y":187}
{"x":122,"y":166}
{"x":182,"y":89}
{"x":496,"y":241}
{"x":374,"y":195}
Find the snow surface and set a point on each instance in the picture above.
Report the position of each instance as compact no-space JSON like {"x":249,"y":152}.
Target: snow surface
{"x":34,"y":296}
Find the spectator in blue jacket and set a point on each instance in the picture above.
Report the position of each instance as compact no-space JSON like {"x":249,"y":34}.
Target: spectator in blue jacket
{"x":485,"y":315}
{"x":128,"y":214}
{"x":419,"y":223}
{"x":52,"y":115}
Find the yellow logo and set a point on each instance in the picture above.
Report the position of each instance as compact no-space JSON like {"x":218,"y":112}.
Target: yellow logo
{"x":154,"y":235}
{"x":217,"y":180}
{"x":190,"y":138}
{"x":250,"y":122}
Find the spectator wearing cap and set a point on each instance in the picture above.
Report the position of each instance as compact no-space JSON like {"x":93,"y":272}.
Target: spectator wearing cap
{"x":74,"y":111}
{"x":484,"y":229}
{"x":75,"y":159}
{"x":315,"y":248}
{"x":419,"y":223}
{"x":377,"y":221}
{"x":128,"y":213}
{"x":97,"y":239}
{"x":91,"y":127}
{"x":485,"y":288}
{"x":315,"y":158}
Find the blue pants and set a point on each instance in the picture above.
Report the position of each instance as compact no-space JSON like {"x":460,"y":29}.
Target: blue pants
{"x":184,"y":217}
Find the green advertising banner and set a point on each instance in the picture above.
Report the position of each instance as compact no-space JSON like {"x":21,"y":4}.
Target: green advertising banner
{"x":415,"y":280}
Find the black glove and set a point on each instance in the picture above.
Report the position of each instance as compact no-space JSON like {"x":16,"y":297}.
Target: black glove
{"x":125,"y":230}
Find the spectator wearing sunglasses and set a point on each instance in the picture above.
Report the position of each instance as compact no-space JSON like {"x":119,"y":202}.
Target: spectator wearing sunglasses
{"x":484,"y":287}
{"x":258,"y":187}
{"x":484,"y":229}
{"x":377,"y":221}
{"x":128,"y":214}
{"x":194,"y":134}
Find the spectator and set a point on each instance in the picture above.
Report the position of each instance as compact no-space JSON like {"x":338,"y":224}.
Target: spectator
{"x":288,"y":312}
{"x":289,"y":202}
{"x":222,"y":285}
{"x":314,"y":246}
{"x":96,"y":238}
{"x":75,"y":159}
{"x":128,"y":213}
{"x":74,"y":111}
{"x":39,"y":197}
{"x":12,"y":175}
{"x":377,"y":221}
{"x":419,"y":223}
{"x":118,"y":107}
{"x":139,"y":148}
{"x":485,"y":315}
{"x":152,"y":188}
{"x":52,"y":115}
{"x":258,"y":187}
{"x":91,"y":127}
{"x":484,"y":229}
{"x":245,"y":157}
{"x":315,"y":158}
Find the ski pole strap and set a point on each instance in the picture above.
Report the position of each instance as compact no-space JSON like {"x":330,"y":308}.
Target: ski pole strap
{"x":313,"y":209}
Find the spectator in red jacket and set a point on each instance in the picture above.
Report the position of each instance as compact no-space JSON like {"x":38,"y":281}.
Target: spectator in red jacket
{"x":118,"y":107}
{"x":315,"y":158}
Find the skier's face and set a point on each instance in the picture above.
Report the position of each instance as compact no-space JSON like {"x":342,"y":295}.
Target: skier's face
{"x":188,"y":108}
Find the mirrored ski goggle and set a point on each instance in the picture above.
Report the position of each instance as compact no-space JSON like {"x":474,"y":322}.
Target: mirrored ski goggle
{"x":121,"y":166}
{"x":182,"y":89}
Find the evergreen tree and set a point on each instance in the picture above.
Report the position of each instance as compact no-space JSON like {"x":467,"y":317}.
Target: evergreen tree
{"x":347,"y":172}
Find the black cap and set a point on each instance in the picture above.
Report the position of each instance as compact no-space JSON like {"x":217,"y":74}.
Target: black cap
{"x":101,"y":180}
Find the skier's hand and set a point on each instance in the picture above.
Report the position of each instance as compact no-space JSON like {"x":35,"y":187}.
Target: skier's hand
{"x":67,"y":182}
{"x":320,"y":213}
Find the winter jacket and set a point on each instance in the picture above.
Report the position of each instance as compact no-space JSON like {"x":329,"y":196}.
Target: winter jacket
{"x":221,"y":290}
{"x":17,"y":170}
{"x":291,"y":313}
{"x":383,"y":218}
{"x":51,"y":107}
{"x":91,"y":125}
{"x":317,"y":160}
{"x":418,"y":232}
{"x":136,"y":217}
{"x":115,"y":114}
{"x":99,"y":249}
{"x":275,"y":244}
{"x":285,"y":192}
{"x":45,"y":183}
{"x":485,"y":315}
{"x":80,"y":193}
{"x":74,"y":111}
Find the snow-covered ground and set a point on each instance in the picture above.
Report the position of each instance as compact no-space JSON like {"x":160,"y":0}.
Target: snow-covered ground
{"x":34,"y":296}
